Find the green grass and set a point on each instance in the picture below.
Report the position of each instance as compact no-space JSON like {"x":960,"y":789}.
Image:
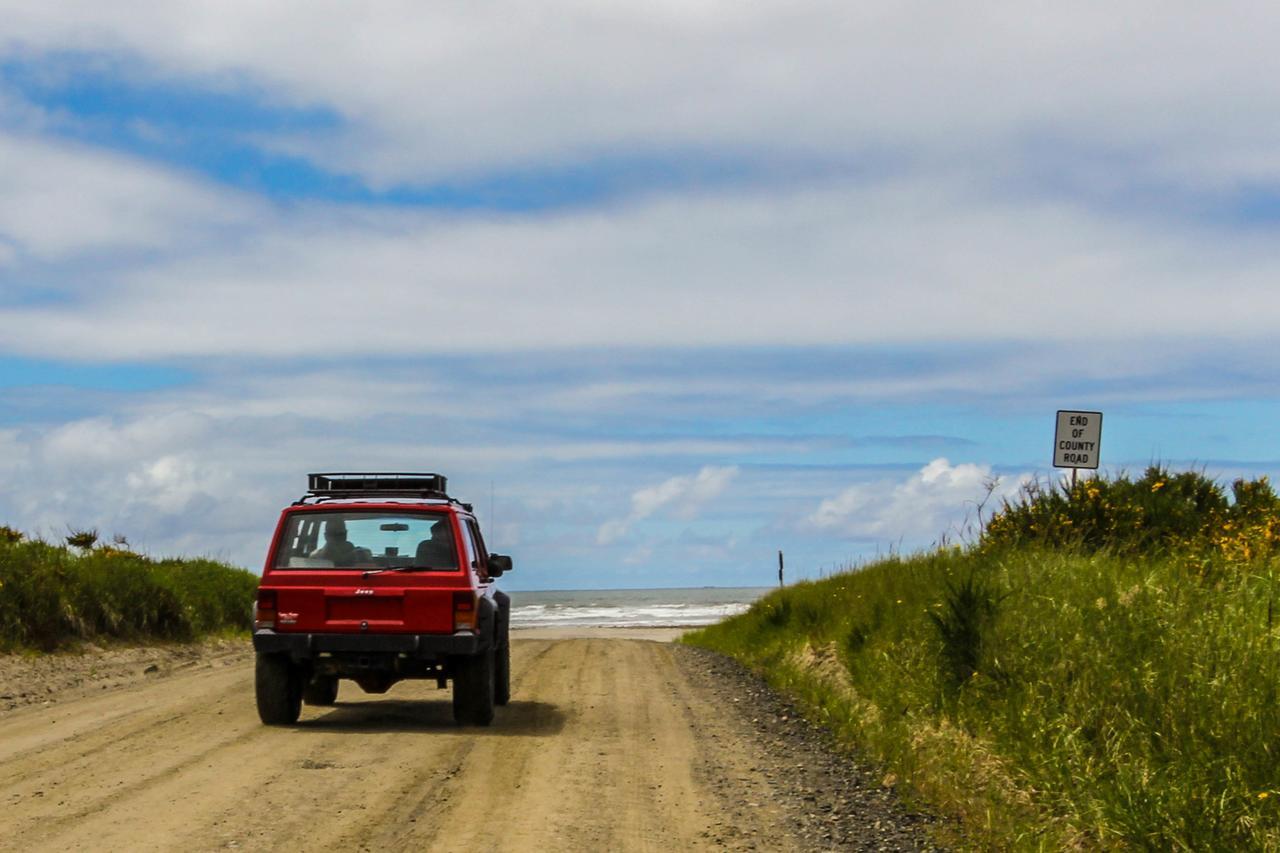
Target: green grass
{"x":51,"y":595}
{"x":1050,"y":697}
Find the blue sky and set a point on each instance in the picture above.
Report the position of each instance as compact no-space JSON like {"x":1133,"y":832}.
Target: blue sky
{"x":679,"y":285}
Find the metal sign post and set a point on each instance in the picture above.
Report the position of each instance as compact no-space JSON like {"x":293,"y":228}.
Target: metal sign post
{"x":1077,"y":441}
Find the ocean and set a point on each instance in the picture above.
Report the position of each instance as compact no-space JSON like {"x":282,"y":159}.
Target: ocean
{"x":629,"y":608}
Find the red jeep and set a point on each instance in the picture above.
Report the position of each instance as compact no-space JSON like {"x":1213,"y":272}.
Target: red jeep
{"x":377,"y":578}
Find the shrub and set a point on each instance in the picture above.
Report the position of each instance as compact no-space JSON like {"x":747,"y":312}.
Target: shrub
{"x":969,"y":608}
{"x":83,"y":539}
{"x":1185,"y":514}
{"x":777,"y":613}
{"x":50,"y":594}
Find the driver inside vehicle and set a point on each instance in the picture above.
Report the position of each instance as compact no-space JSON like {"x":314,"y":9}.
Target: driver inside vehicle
{"x":437,"y":552}
{"x":336,"y":548}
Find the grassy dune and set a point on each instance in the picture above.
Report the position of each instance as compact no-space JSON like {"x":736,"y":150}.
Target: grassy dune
{"x":52,"y":594}
{"x":1113,"y":689}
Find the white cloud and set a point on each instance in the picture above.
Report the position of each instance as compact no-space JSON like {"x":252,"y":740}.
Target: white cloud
{"x":59,"y":200}
{"x":680,"y":497}
{"x":437,"y":91}
{"x":901,"y":262}
{"x":938,"y":248}
{"x":11,"y":452}
{"x":171,"y":482}
{"x":939,"y":499}
{"x":684,"y":495}
{"x":205,"y":469}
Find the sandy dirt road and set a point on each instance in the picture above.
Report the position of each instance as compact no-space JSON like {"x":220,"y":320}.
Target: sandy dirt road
{"x":608,"y":744}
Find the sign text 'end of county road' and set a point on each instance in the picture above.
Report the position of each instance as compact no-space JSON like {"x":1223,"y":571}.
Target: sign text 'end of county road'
{"x":1077,"y":439}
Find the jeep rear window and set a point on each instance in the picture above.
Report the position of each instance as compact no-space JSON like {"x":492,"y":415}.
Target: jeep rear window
{"x":367,"y":540}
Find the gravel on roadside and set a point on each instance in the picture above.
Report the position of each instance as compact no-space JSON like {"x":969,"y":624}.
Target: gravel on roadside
{"x":832,"y":801}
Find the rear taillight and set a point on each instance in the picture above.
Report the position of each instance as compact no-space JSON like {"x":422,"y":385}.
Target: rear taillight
{"x":264,"y":613}
{"x":464,"y":611}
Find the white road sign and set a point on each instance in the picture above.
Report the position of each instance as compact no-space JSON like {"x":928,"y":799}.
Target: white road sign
{"x":1077,"y":439}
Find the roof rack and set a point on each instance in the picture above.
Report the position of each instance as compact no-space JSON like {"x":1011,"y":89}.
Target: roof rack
{"x":382,"y":485}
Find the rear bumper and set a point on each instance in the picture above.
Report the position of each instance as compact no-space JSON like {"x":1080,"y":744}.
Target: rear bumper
{"x":422,"y":646}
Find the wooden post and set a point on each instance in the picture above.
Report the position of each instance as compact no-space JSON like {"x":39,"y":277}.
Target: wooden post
{"x":780,"y":583}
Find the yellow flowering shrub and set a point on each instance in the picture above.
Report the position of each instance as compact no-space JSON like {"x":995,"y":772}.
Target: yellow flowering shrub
{"x":1184,"y":514}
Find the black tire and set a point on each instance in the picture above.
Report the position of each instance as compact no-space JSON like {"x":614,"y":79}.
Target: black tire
{"x":321,"y":691}
{"x":278,"y":687}
{"x":473,"y":689}
{"x":502,"y":673}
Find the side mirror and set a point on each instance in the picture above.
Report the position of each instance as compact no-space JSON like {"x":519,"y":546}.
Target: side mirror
{"x":498,"y":563}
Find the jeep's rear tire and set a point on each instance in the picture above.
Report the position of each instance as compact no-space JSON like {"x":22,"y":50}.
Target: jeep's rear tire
{"x":321,"y":691}
{"x":502,"y":673}
{"x":473,"y":689}
{"x":278,"y":687}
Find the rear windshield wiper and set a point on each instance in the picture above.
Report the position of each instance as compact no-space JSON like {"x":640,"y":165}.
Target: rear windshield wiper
{"x":398,"y":569}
